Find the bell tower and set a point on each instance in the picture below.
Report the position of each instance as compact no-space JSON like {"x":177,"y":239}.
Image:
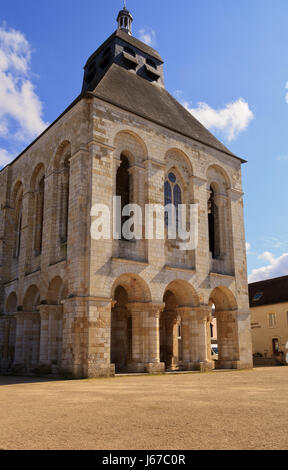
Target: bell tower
{"x":124,"y":20}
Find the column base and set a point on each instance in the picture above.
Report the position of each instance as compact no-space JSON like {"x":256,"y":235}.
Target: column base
{"x":155,"y":368}
{"x":19,"y":368}
{"x":136,"y":367}
{"x":102,"y":370}
{"x":240,"y":365}
{"x":198,"y":366}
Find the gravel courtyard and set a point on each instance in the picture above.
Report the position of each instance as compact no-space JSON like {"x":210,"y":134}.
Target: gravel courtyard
{"x":218,"y":410}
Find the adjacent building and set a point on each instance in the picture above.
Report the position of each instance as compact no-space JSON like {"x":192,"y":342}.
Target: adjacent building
{"x":269,"y":317}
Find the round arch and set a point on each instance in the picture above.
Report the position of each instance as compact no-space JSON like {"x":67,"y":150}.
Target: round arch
{"x":37,"y":175}
{"x":11,"y":303}
{"x":174,"y":156}
{"x":131,"y":145}
{"x":31,"y":299}
{"x":56,"y":291}
{"x":63,"y":151}
{"x":218,"y":178}
{"x":136,"y":288}
{"x":184,"y":292}
{"x":223,"y":299}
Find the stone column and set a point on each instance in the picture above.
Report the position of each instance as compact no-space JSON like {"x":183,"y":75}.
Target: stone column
{"x":55,"y":313}
{"x":28,"y":339}
{"x":44,"y":336}
{"x":3,"y":343}
{"x":202,"y":318}
{"x":171,"y":337}
{"x":36,"y":339}
{"x":186,"y":334}
{"x":19,"y":358}
{"x":137,"y":364}
{"x":228,"y":346}
{"x":154,"y":365}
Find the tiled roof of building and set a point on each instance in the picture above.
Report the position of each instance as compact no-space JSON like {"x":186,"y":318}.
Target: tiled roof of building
{"x":131,"y":93}
{"x":269,"y":292}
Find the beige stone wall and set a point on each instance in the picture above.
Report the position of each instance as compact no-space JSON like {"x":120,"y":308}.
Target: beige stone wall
{"x":263,"y":334}
{"x":92,"y":135}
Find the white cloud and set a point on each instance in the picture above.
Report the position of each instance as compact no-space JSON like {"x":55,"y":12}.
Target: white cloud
{"x":248,"y":247}
{"x":5,"y":157}
{"x":20,"y":107}
{"x":230,"y":120}
{"x":148,"y":36}
{"x":286,"y":96}
{"x":277,"y":267}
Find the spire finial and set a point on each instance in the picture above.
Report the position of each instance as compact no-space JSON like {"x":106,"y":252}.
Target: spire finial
{"x":125,"y":19}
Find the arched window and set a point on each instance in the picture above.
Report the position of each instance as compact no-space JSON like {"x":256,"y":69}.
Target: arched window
{"x":172,"y":195}
{"x":213,"y":222}
{"x":39,"y":217}
{"x":123,"y":186}
{"x":64,"y":201}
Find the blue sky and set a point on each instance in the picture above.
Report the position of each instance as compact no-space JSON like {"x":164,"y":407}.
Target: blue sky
{"x":226,"y":60}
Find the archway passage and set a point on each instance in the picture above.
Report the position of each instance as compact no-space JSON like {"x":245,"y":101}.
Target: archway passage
{"x":224,"y":309}
{"x":170,"y":334}
{"x":179,"y":327}
{"x":121,"y":332}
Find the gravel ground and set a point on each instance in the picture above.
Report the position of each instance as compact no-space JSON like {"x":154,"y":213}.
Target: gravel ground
{"x":218,"y":410}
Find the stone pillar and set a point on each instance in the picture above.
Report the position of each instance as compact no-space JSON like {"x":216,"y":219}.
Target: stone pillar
{"x":36,"y":324}
{"x":19,"y":358}
{"x":137,"y":364}
{"x":44,"y":336}
{"x":154,"y":365}
{"x":54,"y":336}
{"x":86,"y":337}
{"x":28,"y":339}
{"x":228,"y":346}
{"x":208,"y":332}
{"x":202,"y":316}
{"x":185,"y":313}
{"x":3,"y":342}
{"x":171,"y":337}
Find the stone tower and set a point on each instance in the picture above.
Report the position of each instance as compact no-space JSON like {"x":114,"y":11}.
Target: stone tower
{"x":78,"y":306}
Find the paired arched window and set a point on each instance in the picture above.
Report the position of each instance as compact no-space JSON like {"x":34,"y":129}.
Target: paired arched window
{"x":172,"y":195}
{"x":123,"y":186}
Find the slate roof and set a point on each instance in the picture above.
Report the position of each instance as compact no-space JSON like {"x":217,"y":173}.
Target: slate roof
{"x":132,"y":93}
{"x":274,"y":291}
